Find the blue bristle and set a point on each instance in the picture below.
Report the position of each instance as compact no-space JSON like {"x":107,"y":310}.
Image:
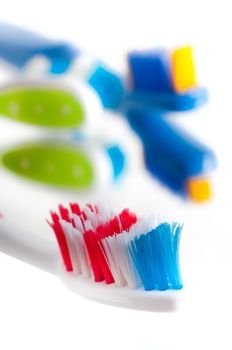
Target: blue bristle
{"x":150,"y":70}
{"x":156,"y":257}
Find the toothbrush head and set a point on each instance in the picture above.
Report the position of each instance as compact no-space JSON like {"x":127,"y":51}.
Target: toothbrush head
{"x":119,"y":250}
{"x":165,"y":80}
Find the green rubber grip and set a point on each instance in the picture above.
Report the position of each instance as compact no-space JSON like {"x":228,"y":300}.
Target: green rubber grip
{"x":57,"y":164}
{"x":42,"y":106}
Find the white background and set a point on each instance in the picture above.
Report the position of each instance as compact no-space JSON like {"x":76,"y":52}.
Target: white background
{"x":36,"y":310}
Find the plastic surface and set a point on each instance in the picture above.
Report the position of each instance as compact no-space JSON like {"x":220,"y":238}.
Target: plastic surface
{"x":18,"y":46}
{"x":121,"y":296}
{"x":169,"y":153}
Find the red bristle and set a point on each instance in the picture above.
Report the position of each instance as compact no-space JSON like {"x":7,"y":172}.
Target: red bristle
{"x":90,"y":207}
{"x":54,"y":216}
{"x":127,"y":219}
{"x":101,"y":256}
{"x":104,"y":230}
{"x":64,"y":213}
{"x":109,"y":228}
{"x":104,"y":265}
{"x":83,"y":215}
{"x":75,"y":208}
{"x":60,"y":236}
{"x":116,"y":225}
{"x":93,"y":256}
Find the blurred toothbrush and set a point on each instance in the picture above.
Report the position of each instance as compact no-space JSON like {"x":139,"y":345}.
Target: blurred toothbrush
{"x":165,"y":78}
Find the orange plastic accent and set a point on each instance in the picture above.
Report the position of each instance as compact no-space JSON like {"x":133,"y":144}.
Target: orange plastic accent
{"x":183,"y":71}
{"x":199,"y":189}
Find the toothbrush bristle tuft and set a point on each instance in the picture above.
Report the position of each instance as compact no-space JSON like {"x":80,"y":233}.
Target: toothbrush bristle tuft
{"x":95,"y":241}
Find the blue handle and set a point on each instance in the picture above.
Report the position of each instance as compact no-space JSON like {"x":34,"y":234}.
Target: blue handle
{"x":18,"y":46}
{"x":170,"y":153}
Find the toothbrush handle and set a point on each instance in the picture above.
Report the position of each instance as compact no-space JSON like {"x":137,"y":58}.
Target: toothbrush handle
{"x":29,"y":248}
{"x":169,"y":152}
{"x":18,"y":46}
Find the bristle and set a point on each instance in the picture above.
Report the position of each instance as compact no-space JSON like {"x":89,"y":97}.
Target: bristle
{"x":75,"y":208}
{"x":64,"y":213}
{"x":155,"y":255}
{"x":95,"y":241}
{"x":119,"y":259}
{"x":127,"y":219}
{"x":93,"y":252}
{"x":62,"y":242}
{"x":70,"y":238}
{"x":78,"y":222}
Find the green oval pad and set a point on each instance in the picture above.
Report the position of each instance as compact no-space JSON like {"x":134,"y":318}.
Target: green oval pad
{"x":53,"y":164}
{"x":42,"y":106}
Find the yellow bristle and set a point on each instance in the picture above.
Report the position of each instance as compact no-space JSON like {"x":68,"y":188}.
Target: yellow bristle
{"x":183,"y":70}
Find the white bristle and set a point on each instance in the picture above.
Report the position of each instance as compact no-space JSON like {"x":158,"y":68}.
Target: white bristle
{"x":88,"y":226}
{"x":67,"y":229}
{"x":143,"y":226}
{"x":92,"y":217}
{"x":78,"y":223}
{"x":110,"y":247}
{"x":119,"y":260}
{"x":126,"y":262}
{"x":81,"y":252}
{"x":105,"y":213}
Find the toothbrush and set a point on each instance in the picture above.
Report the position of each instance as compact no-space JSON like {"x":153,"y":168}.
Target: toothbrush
{"x":21,"y":48}
{"x":112,"y":258}
{"x":174,"y":89}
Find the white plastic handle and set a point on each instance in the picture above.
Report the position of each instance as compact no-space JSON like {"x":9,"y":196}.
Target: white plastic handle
{"x":31,"y":249}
